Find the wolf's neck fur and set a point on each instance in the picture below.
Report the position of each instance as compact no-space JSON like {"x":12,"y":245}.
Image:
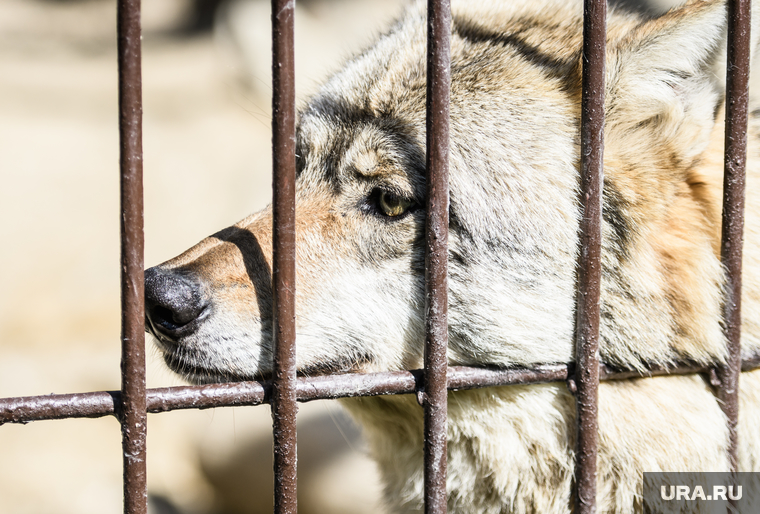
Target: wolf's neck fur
{"x":510,"y":449}
{"x":502,"y":443}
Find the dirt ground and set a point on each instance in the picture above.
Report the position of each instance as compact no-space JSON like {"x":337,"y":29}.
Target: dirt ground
{"x":207,"y":164}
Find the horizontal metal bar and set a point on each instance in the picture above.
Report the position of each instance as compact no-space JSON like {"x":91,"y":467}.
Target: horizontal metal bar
{"x":327,"y":387}
{"x":59,"y":406}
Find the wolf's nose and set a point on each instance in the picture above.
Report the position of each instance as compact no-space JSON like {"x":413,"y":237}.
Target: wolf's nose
{"x":173,"y":300}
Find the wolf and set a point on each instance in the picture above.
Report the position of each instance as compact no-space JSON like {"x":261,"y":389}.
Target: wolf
{"x":513,"y":247}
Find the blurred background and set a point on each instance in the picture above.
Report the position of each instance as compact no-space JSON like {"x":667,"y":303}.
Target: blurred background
{"x":207,"y":162}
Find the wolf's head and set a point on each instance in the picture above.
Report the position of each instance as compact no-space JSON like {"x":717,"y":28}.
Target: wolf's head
{"x":514,"y":163}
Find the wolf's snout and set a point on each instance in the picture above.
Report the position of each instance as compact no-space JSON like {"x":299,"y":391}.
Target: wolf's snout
{"x":173,"y":301}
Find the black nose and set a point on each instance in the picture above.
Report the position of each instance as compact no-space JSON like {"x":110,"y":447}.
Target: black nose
{"x":173,"y":301}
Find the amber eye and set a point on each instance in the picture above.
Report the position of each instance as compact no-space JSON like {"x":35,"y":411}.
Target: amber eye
{"x":393,"y":205}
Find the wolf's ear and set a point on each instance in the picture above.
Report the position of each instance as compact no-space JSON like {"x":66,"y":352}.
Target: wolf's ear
{"x":666,"y":80}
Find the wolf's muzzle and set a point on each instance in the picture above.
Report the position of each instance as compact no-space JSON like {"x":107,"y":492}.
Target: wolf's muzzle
{"x":174,"y":303}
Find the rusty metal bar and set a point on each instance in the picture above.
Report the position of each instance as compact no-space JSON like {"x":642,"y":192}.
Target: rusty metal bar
{"x":433,"y":398}
{"x":737,"y":107}
{"x":589,"y":260}
{"x":327,"y":387}
{"x":133,"y":415}
{"x":59,"y":406}
{"x":284,"y":406}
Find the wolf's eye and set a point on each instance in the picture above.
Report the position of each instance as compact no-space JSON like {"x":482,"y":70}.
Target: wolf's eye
{"x":392,"y":205}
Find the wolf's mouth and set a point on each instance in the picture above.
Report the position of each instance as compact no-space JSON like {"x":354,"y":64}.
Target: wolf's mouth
{"x":355,"y":364}
{"x":199,"y":374}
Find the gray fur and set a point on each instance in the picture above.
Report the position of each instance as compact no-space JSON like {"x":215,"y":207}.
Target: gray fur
{"x":513,"y":250}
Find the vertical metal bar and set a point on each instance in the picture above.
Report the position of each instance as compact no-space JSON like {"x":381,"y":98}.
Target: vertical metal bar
{"x":589,"y":264}
{"x":436,"y":256}
{"x":284,"y":406}
{"x":737,"y":102}
{"x":133,"y":409}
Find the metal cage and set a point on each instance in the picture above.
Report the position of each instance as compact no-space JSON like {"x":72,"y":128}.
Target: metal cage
{"x":133,"y":402}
